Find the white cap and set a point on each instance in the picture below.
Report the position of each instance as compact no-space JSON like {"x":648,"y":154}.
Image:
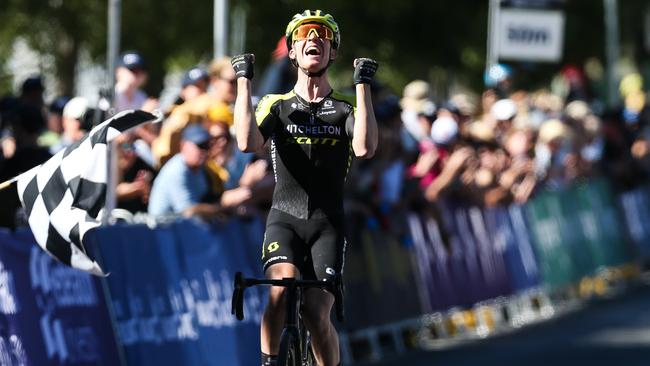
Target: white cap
{"x":504,"y":109}
{"x":76,"y":108}
{"x":444,"y":130}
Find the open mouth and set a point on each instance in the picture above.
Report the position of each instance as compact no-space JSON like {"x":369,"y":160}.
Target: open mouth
{"x":312,"y":51}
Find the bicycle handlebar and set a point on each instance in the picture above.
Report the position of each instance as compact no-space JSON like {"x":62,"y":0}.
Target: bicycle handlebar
{"x":241,"y":283}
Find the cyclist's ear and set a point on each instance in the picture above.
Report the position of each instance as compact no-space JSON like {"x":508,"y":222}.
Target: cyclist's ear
{"x":292,"y":53}
{"x":333,"y":53}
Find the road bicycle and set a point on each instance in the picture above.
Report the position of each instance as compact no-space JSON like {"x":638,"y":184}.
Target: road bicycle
{"x":295,"y":342}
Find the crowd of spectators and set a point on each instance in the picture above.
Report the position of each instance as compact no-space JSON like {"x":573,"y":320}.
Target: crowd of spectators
{"x":188,"y":165}
{"x":497,"y":148}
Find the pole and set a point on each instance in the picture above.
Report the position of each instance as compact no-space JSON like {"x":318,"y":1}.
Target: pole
{"x":220,"y":28}
{"x":238,"y":34}
{"x":6,"y":184}
{"x":113,"y":48}
{"x":113,"y":45}
{"x":612,"y":50}
{"x":492,"y":56}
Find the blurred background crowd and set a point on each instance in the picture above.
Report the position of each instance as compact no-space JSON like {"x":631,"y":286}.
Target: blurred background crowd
{"x":497,"y":147}
{"x":490,"y":185}
{"x":450,"y":131}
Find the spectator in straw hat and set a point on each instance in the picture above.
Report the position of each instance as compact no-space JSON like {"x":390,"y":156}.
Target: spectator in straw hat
{"x":464,"y":109}
{"x":554,"y":159}
{"x":418,"y":111}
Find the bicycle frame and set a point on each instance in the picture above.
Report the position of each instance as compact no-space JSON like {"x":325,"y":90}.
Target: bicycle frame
{"x":294,"y":286}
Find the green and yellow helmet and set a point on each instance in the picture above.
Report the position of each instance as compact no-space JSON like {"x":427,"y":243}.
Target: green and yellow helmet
{"x":313,"y":16}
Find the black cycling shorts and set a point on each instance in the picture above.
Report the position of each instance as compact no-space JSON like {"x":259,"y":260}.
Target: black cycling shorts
{"x":315,"y":246}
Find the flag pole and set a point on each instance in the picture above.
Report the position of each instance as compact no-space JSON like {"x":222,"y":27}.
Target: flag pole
{"x":6,"y":184}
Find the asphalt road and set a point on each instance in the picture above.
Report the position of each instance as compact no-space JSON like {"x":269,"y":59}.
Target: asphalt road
{"x":613,"y":331}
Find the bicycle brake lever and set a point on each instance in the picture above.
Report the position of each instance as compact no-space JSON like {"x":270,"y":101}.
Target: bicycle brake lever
{"x":238,"y":297}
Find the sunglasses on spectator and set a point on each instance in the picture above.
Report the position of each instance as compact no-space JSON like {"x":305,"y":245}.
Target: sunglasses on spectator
{"x":221,"y":137}
{"x":306,"y":31}
{"x":204,"y":146}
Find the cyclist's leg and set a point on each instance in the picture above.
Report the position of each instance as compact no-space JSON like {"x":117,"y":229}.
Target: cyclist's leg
{"x":273,"y":319}
{"x":279,"y":254}
{"x":327,"y":255}
{"x":316,"y":315}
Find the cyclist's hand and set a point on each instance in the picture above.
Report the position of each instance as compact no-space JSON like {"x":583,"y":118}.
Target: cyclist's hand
{"x":364,"y":70}
{"x":243,"y":65}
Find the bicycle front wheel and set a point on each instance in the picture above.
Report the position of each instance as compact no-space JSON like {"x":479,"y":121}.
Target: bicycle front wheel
{"x":289,"y":350}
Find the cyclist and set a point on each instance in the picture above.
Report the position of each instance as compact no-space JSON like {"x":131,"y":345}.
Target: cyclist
{"x":314,"y":131}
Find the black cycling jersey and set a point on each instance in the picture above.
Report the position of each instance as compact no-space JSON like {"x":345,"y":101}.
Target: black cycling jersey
{"x":311,"y":151}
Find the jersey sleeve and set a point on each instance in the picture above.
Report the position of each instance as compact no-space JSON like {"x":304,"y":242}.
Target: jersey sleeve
{"x":266,"y":115}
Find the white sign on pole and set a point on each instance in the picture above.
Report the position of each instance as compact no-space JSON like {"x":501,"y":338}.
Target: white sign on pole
{"x":534,"y":35}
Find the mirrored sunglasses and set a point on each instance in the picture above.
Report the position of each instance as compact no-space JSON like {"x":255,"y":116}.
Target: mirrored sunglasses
{"x":306,"y":31}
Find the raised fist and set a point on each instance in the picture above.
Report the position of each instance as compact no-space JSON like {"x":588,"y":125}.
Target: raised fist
{"x":364,"y":70}
{"x":243,"y":65}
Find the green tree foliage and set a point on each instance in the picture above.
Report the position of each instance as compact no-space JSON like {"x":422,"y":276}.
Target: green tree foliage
{"x":58,"y":28}
{"x":169,"y":34}
{"x":408,"y":38}
{"x":163,"y":31}
{"x":433,"y":40}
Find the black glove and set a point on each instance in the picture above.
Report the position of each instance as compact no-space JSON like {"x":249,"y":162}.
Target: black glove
{"x":364,"y":70}
{"x":243,"y":65}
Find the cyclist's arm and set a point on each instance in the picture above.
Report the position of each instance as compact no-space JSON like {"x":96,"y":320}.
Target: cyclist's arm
{"x":364,"y":138}
{"x":249,"y":137}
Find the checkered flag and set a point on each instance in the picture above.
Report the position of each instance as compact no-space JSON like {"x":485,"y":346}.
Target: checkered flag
{"x":64,"y":197}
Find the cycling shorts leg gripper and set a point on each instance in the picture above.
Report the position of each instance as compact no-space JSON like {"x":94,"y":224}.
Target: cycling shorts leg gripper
{"x":328,"y":249}
{"x":281,"y":242}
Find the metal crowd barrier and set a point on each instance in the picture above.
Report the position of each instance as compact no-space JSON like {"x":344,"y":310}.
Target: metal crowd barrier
{"x":502,"y":268}
{"x":473,"y":273}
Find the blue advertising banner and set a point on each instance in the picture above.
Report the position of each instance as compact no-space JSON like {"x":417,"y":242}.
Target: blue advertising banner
{"x":50,"y":314}
{"x":171,"y":291}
